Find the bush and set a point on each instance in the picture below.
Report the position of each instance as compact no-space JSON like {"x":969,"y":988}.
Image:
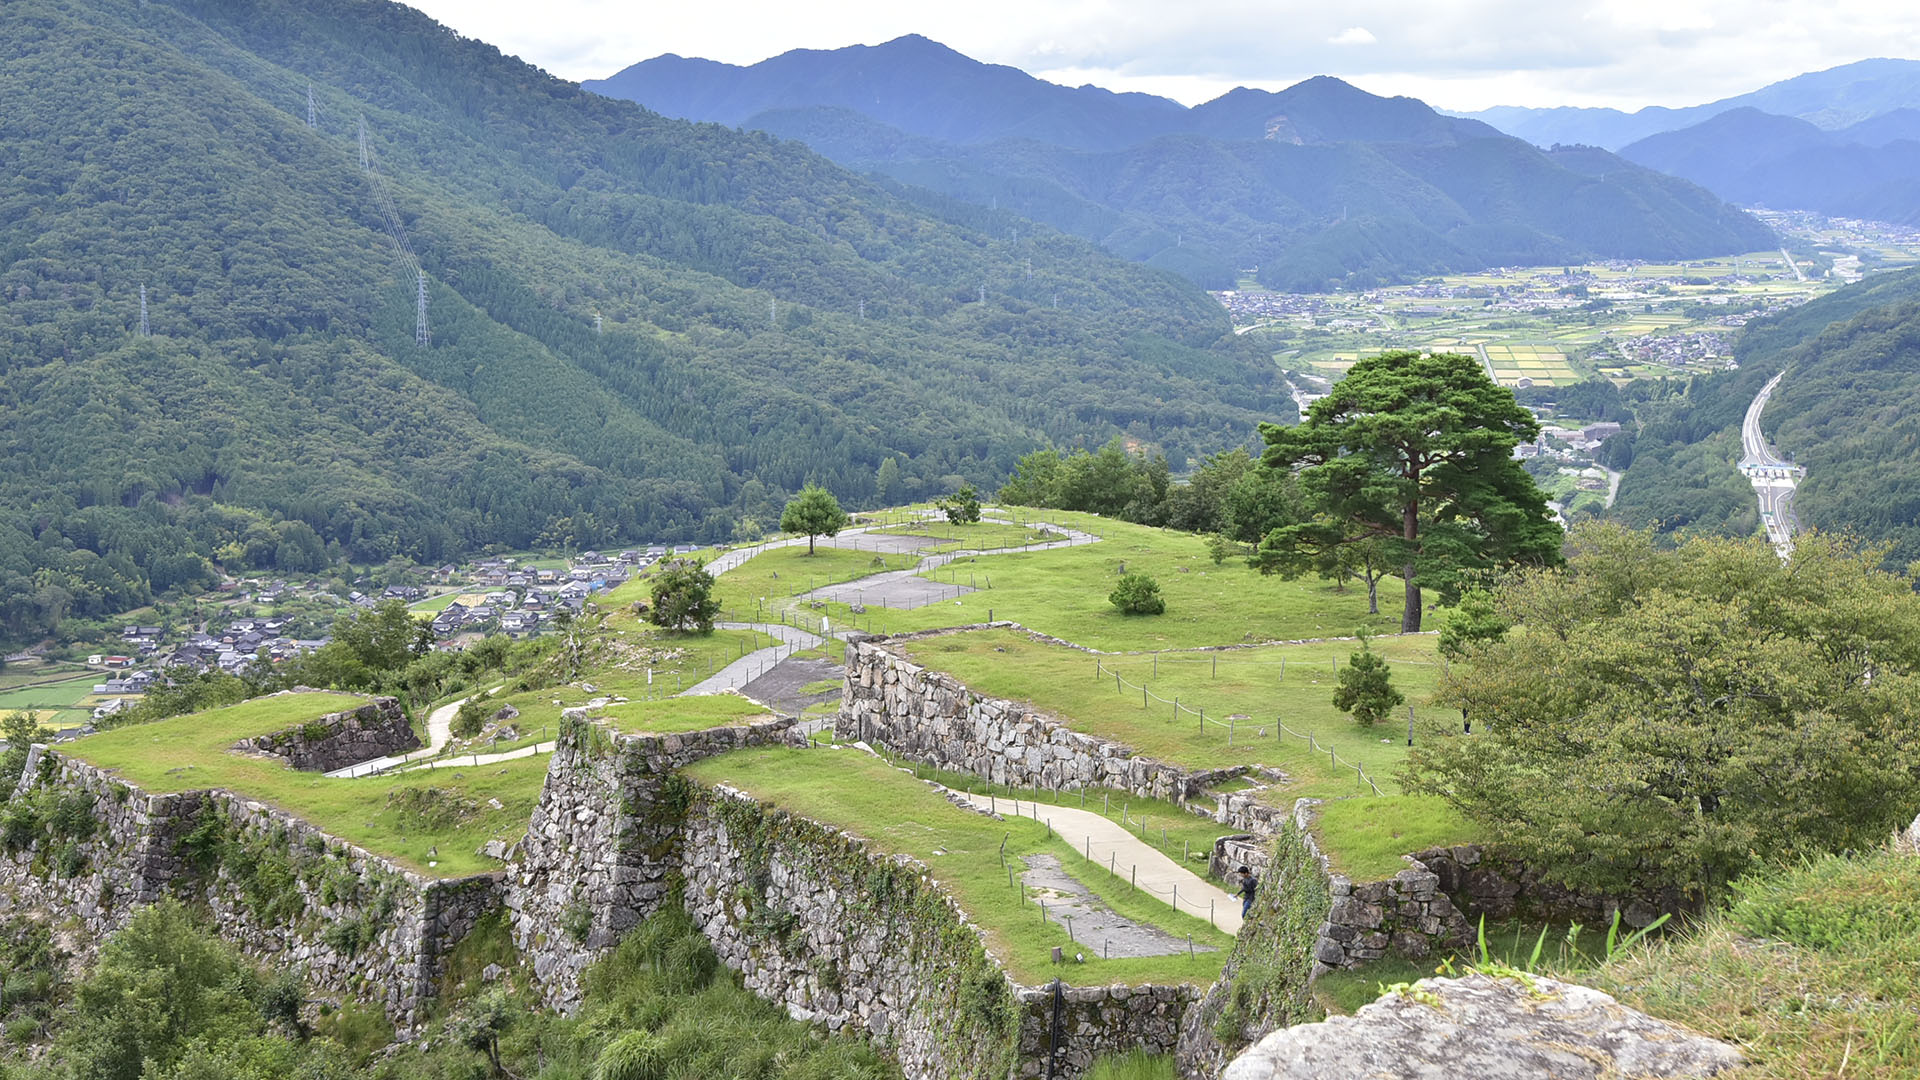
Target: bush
{"x":1138,"y":594}
{"x":1366,"y":687}
{"x":471,"y":717}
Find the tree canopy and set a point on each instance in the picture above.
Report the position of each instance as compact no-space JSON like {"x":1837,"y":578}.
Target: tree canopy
{"x":1664,"y":718}
{"x":814,"y":512}
{"x":1414,"y":449}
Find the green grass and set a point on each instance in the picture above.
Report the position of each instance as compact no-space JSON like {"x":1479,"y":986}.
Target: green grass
{"x":1133,"y":1065}
{"x":1364,"y":838}
{"x":778,"y":575}
{"x":1063,"y":592}
{"x":1179,"y":834}
{"x":978,"y":536}
{"x":897,"y":813}
{"x":188,"y":753}
{"x":1062,"y":681}
{"x":680,"y":714}
{"x":1814,"y":972}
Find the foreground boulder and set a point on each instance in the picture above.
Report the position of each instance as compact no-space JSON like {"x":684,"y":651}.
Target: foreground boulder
{"x":1487,"y":1029}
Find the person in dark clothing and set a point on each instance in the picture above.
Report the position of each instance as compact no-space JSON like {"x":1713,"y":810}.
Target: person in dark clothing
{"x":1249,"y":885}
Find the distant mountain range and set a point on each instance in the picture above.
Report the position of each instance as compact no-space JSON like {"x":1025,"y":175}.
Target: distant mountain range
{"x":1870,"y":170}
{"x":1836,"y":98}
{"x":1319,"y":185}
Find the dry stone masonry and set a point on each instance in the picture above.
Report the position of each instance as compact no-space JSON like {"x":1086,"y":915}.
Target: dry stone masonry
{"x":603,"y":846}
{"x":374,"y":730}
{"x":357,"y":924}
{"x":932,"y":718}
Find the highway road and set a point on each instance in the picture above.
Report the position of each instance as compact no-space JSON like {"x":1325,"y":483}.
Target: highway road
{"x":1773,"y":478}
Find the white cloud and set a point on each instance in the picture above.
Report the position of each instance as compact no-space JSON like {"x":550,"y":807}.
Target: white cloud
{"x":1455,"y":53}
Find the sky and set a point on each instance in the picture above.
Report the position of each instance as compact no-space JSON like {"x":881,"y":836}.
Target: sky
{"x":1453,"y":54}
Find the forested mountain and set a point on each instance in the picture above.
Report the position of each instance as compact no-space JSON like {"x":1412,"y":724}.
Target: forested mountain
{"x":1754,"y":158}
{"x":1845,"y":411}
{"x":1832,"y":99}
{"x":640,"y":328}
{"x":1321,"y":185}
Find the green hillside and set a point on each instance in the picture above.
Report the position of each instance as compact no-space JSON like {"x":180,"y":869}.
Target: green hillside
{"x":1845,"y":411}
{"x":640,"y":328}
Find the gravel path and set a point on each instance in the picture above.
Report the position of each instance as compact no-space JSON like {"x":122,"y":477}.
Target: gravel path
{"x":439,"y":733}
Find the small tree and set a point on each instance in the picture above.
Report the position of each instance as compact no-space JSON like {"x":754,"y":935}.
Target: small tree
{"x":1366,"y":687}
{"x":814,"y":512}
{"x":1138,"y":594}
{"x":962,"y":507}
{"x":683,"y":598}
{"x":1473,"y":621}
{"x":469,"y":718}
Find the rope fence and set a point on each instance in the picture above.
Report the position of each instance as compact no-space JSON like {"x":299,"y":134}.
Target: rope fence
{"x":1169,"y":895}
{"x":1231,"y":723}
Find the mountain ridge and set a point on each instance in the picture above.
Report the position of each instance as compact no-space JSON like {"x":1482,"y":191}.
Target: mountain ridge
{"x":1317,"y":186}
{"x":1832,"y":98}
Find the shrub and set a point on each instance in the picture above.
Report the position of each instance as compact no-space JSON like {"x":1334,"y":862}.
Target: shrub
{"x":637,"y":1055}
{"x":1138,"y":594}
{"x":1366,"y":687}
{"x":469,"y":719}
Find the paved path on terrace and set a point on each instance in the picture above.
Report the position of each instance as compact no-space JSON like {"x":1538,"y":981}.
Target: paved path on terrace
{"x":749,"y":667}
{"x":1109,"y":843}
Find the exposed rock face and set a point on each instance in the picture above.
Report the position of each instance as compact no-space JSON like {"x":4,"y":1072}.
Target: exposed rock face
{"x":933,"y":718}
{"x":337,"y":740}
{"x":1486,"y":1029}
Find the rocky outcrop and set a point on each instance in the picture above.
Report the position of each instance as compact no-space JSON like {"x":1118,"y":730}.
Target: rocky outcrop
{"x":1489,"y":1029}
{"x":374,"y":730}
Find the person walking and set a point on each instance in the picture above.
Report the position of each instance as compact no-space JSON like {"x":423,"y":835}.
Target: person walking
{"x":1249,"y":886}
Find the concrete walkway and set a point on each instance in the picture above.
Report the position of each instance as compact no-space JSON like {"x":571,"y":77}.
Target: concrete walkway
{"x":1104,"y":841}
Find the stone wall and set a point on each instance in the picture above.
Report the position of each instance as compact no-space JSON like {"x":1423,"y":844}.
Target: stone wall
{"x":1097,"y":1020}
{"x":94,"y":849}
{"x":1434,"y":906}
{"x":932,"y":718}
{"x":374,"y":730}
{"x":603,"y":846}
{"x":847,"y":938}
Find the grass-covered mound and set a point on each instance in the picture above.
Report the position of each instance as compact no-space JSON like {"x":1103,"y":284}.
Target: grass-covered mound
{"x":898,"y":813}
{"x":404,"y":816}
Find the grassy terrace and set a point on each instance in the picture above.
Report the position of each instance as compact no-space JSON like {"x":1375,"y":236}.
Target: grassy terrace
{"x":897,"y":813}
{"x":1063,"y":592}
{"x":188,"y":753}
{"x":978,"y":536}
{"x":1062,"y":681}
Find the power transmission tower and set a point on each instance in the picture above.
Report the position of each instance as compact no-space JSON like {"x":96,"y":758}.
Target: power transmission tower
{"x":366,"y":162}
{"x":313,"y":110}
{"x":597,"y":328}
{"x":773,"y":309}
{"x":144,"y":331}
{"x":863,"y":307}
{"x":421,"y":335}
{"x":983,"y":294}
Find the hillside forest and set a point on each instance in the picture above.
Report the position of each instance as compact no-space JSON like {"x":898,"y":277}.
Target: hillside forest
{"x":215,"y":221}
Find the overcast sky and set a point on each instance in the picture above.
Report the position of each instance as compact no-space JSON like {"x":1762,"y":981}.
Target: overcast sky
{"x":1459,"y":54}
